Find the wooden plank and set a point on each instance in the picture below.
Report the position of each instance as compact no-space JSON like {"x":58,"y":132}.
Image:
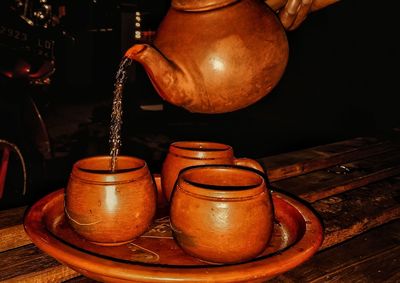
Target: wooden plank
{"x":354,"y":212}
{"x":29,"y":264}
{"x":371,"y":257}
{"x":13,"y":237}
{"x":382,"y":267}
{"x":54,"y":274}
{"x":12,"y":234}
{"x":303,"y":161}
{"x":11,"y":217}
{"x":324,"y":183}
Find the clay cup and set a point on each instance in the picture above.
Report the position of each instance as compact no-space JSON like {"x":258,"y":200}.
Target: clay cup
{"x":110,"y":208}
{"x":221,"y":213}
{"x":183,"y":154}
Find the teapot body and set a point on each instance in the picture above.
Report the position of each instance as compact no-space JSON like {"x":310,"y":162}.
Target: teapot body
{"x":226,"y":55}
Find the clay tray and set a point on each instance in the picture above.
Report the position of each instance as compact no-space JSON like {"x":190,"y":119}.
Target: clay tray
{"x":155,"y":257}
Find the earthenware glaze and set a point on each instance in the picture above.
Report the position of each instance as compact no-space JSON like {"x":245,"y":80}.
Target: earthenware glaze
{"x":221,"y":213}
{"x":110,"y":208}
{"x":215,"y":56}
{"x":183,"y":154}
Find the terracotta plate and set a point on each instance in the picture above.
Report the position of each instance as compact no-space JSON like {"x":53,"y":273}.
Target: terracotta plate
{"x":155,"y":257}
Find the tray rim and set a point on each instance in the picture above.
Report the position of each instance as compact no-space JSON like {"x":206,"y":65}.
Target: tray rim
{"x":262,"y":268}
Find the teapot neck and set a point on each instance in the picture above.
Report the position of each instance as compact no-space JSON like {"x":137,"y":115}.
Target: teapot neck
{"x":200,"y":5}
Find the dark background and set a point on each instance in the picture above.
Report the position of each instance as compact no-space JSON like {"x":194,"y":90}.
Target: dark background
{"x":341,"y":82}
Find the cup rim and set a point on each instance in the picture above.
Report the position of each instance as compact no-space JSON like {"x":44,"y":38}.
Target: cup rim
{"x":127,"y":173}
{"x":201,"y":149}
{"x":222,"y":192}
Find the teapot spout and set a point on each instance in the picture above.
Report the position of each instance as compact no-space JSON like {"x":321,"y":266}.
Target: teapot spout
{"x":163,"y":73}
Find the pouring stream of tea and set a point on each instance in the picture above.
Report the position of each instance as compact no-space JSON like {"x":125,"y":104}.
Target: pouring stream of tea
{"x":116,"y":113}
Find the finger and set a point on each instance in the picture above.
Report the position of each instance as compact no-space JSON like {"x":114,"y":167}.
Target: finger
{"x":301,"y":13}
{"x":288,"y":14}
{"x":319,"y":4}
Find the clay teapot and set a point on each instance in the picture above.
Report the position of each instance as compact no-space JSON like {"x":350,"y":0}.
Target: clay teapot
{"x":215,"y":56}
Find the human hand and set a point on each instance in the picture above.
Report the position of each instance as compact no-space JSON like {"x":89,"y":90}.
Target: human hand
{"x":293,"y":12}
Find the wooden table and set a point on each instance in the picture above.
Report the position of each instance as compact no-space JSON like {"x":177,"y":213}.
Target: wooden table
{"x":353,"y":185}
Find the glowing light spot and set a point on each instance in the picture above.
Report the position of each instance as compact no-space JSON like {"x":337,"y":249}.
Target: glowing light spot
{"x":217,"y":64}
{"x":111,"y":198}
{"x":222,"y":218}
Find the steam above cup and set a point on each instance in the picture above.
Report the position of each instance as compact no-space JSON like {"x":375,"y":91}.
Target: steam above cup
{"x":110,"y":208}
{"x":183,"y":154}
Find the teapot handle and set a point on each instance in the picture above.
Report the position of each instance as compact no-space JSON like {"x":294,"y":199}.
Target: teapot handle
{"x":248,"y":162}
